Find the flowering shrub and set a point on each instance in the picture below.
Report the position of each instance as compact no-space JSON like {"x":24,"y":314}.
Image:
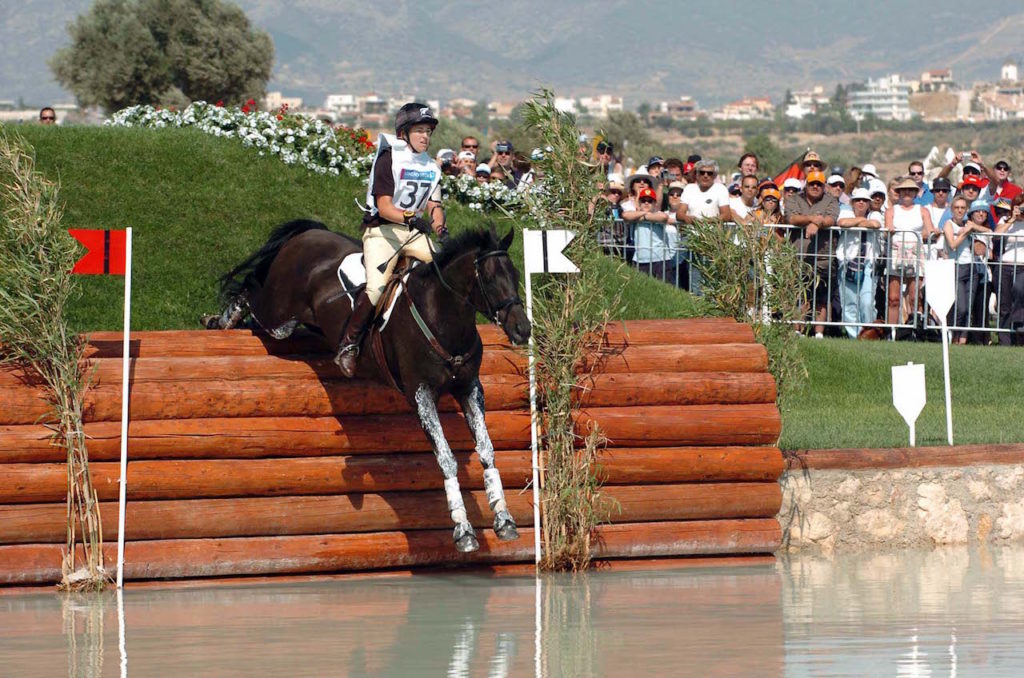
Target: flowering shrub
{"x":299,"y":140}
{"x":296,"y":139}
{"x":481,"y":197}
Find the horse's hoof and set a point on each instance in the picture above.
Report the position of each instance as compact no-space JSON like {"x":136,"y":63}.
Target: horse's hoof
{"x":210,"y":322}
{"x":465,"y":538}
{"x":505,"y":526}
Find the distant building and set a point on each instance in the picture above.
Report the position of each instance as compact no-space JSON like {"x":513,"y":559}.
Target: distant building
{"x":1009,"y":71}
{"x":565,"y":105}
{"x":886,"y":98}
{"x":937,"y":81}
{"x":500,"y":110}
{"x":601,"y":105}
{"x":806,"y":102}
{"x":275,"y":100}
{"x":342,"y":104}
{"x":747,"y":108}
{"x":684,"y":109}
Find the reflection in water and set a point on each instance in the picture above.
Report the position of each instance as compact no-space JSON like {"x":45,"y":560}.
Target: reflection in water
{"x":934,"y":613}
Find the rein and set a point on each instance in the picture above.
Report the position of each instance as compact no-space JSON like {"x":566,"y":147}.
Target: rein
{"x":492,"y":310}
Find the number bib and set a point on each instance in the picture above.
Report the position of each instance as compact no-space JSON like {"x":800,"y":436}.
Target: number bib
{"x":416,"y":176}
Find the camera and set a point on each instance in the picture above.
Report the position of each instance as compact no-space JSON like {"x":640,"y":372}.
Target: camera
{"x":665,"y":175}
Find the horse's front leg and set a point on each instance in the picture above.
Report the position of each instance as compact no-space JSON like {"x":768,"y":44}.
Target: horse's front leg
{"x":472,"y":403}
{"x":426,"y":408}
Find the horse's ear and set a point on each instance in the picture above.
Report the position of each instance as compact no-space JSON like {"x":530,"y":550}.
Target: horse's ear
{"x":506,"y":242}
{"x":492,"y":229}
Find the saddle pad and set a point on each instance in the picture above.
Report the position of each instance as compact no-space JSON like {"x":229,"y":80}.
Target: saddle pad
{"x":351,"y":272}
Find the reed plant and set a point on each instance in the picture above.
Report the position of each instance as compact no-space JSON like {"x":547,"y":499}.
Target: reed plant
{"x":751,"y":274}
{"x":570,"y":312}
{"x":36,"y":288}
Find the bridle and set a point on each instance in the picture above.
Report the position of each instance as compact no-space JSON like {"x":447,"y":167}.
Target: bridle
{"x":494,"y":309}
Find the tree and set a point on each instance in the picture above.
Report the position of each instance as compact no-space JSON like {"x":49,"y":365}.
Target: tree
{"x":126,"y":52}
{"x":644,"y":111}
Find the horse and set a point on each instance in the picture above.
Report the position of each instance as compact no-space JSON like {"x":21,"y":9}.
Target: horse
{"x":427,"y":346}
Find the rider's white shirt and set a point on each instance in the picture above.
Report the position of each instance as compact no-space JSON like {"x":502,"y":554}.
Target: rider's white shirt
{"x":417,"y":177}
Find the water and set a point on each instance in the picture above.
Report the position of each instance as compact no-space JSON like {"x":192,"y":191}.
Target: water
{"x":948,"y":612}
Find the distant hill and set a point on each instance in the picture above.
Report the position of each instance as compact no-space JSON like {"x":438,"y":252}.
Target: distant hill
{"x":645,"y":49}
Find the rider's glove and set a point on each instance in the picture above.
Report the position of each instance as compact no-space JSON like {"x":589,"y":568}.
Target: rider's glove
{"x":420,"y":224}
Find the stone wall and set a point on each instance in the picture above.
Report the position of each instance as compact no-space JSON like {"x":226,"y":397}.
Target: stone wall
{"x":901,"y":499}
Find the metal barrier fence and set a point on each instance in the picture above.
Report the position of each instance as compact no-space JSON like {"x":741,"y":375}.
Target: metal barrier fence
{"x":862,"y":277}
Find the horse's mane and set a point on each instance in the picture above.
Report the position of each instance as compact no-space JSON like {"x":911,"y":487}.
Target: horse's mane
{"x":474,"y":238}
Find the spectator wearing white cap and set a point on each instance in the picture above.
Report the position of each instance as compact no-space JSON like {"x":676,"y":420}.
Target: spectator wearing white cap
{"x":879,"y":195}
{"x":836,"y":186}
{"x":856,"y":252}
{"x":791,"y":186}
{"x":973,"y":165}
{"x":868,"y":172}
{"x":466,"y":161}
{"x":705,"y":198}
{"x":483,"y":173}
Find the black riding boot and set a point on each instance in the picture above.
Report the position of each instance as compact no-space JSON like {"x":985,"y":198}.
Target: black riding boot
{"x":348,"y":347}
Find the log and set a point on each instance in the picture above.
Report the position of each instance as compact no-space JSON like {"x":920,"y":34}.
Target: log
{"x":342,"y":514}
{"x":180,"y":558}
{"x":202,"y":478}
{"x":245,"y":342}
{"x":310,"y":398}
{"x":263,"y":437}
{"x":905,"y":457}
{"x":661,"y":426}
{"x":253,"y":398}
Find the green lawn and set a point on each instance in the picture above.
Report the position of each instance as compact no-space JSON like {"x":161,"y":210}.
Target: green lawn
{"x":847,"y":401}
{"x":199,"y":204}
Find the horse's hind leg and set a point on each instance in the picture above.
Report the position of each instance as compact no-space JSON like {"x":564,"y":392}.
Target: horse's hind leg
{"x":426,"y":408}
{"x":472,"y":404}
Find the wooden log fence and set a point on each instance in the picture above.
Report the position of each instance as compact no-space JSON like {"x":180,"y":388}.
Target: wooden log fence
{"x":251,"y":457}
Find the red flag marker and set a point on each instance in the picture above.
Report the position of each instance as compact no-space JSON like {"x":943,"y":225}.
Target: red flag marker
{"x":106,"y":255}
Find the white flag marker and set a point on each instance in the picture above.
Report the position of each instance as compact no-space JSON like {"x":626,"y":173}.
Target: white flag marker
{"x":542,"y":253}
{"x":939,"y":292}
{"x":908,"y":394}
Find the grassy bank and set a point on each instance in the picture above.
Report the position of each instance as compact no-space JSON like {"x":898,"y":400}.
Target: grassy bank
{"x":847,"y":401}
{"x":198,"y":205}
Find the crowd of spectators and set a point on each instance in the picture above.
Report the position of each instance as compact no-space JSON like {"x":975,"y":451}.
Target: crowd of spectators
{"x":864,"y":240}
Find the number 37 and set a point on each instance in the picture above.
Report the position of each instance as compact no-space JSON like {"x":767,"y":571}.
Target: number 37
{"x":413,"y":193}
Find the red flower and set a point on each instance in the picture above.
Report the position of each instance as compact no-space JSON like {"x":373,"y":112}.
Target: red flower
{"x":280,"y":117}
{"x":220,"y":104}
{"x":251,"y":102}
{"x":245,"y":109}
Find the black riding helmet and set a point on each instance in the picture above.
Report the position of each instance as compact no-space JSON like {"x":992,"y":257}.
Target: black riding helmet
{"x":413,"y":114}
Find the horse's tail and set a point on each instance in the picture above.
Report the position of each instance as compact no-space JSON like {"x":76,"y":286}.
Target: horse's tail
{"x":250,"y":275}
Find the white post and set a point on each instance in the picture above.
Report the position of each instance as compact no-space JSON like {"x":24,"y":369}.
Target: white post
{"x":535,"y":454}
{"x":125,"y":364}
{"x":945,"y":379}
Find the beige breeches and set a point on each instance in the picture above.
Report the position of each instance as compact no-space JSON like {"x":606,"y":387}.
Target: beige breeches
{"x":380,"y":244}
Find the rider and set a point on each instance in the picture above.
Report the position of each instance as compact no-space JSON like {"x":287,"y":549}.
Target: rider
{"x":403,"y":204}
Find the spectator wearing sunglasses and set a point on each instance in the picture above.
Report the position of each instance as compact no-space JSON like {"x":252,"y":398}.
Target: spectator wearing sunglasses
{"x":999,"y":184}
{"x":743,"y":206}
{"x":471,"y":145}
{"x":836,"y":187}
{"x":814,"y":212}
{"x":605,"y":158}
{"x":915,"y":171}
{"x":503,"y":158}
{"x":812,"y":163}
{"x":972,"y":166}
{"x":1011,"y":275}
{"x":705,"y":198}
{"x":466,"y":162}
{"x":47,"y":116}
{"x":656,"y":241}
{"x":634,"y":184}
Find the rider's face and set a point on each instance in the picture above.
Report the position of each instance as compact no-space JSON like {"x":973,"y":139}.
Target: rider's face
{"x":419,"y":137}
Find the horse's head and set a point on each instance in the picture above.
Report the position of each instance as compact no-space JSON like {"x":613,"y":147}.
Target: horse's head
{"x":498,"y":285}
